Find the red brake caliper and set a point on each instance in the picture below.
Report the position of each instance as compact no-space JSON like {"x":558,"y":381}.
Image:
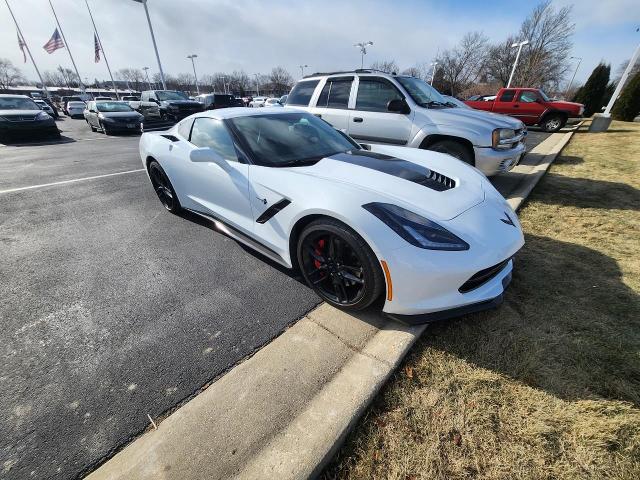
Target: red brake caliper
{"x":319,"y":249}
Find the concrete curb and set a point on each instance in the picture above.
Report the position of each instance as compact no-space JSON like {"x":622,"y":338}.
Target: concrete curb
{"x":285,"y":411}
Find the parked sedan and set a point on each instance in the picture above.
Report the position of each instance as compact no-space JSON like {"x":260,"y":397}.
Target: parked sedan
{"x":112,"y":116}
{"x":272,"y":102}
{"x":257,"y":102}
{"x":75,"y":109}
{"x":43,"y":106}
{"x":428,"y":234}
{"x":20,"y":116}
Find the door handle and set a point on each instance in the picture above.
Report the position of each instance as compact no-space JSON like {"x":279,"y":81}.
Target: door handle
{"x":318,"y":115}
{"x":516,"y":106}
{"x":358,"y":119}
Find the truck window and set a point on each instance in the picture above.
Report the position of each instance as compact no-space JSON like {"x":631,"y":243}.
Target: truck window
{"x":302,"y":92}
{"x":335,"y":93}
{"x":528,"y":97}
{"x":507,"y":96}
{"x":374,"y":94}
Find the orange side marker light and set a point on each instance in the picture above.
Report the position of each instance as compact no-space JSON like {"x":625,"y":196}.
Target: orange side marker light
{"x":387,"y":274}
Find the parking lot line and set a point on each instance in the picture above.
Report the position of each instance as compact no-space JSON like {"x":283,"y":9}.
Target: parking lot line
{"x":63,"y":182}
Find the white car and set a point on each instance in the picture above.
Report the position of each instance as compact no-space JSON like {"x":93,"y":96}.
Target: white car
{"x":272,"y":102}
{"x":257,"y":102}
{"x":43,"y":106}
{"x":75,"y":109}
{"x":427,"y":232}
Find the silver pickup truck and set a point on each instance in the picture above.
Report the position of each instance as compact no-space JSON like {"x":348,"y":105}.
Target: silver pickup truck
{"x":379,"y":108}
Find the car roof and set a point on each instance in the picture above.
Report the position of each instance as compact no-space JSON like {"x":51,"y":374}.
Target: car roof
{"x":359,"y":72}
{"x":8,"y":95}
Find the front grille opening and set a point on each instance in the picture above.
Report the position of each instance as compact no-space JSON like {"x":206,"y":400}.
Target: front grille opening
{"x":482,"y":277}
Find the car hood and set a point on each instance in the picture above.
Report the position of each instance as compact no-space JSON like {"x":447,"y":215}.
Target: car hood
{"x":135,"y":115}
{"x":472,"y":119}
{"x":429,"y":183}
{"x":19,"y":113}
{"x":561,"y":104}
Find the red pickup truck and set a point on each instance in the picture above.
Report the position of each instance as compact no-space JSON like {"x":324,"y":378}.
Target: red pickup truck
{"x":530,"y":105}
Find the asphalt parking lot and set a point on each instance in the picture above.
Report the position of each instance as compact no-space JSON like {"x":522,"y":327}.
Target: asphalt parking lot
{"x":112,"y":308}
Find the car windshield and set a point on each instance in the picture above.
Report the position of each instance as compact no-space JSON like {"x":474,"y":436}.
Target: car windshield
{"x":171,"y":95}
{"x":18,"y":104}
{"x":290,"y":139}
{"x":76,"y":104}
{"x":422,"y":93}
{"x":544,"y":96}
{"x":113,"y":107}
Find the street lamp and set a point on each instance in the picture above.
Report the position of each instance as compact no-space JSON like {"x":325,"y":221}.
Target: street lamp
{"x":195,"y":77}
{"x":513,"y":70}
{"x":574,"y":74}
{"x":302,"y":67}
{"x":224,"y":83}
{"x":146,"y":71}
{"x":257,"y":85}
{"x":434,"y":65}
{"x":153,"y":39}
{"x":363,"y":51}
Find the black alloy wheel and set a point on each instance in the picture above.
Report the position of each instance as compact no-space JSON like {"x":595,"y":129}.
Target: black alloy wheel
{"x":163,"y":187}
{"x":339,"y":265}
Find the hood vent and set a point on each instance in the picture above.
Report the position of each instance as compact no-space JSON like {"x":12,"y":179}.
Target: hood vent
{"x":437,"y":181}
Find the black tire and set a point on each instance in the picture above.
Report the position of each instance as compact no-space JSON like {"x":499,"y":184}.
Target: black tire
{"x":338,"y":265}
{"x":455,"y":149}
{"x":164,"y":189}
{"x":553,"y":123}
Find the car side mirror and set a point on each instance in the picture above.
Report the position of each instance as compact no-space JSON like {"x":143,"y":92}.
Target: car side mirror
{"x":207,"y":155}
{"x":398,"y":105}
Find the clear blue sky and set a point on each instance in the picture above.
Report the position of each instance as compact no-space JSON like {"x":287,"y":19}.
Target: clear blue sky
{"x":256,"y":35}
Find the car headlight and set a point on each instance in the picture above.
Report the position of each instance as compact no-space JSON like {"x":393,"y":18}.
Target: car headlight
{"x":418,"y":231}
{"x":501,"y":138}
{"x":43,"y":116}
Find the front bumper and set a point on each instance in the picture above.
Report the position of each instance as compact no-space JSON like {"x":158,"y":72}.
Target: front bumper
{"x":47,"y":127}
{"x":491,"y":162}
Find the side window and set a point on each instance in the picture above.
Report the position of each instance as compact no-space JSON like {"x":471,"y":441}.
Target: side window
{"x":374,"y":94}
{"x":335,"y":93}
{"x":185,"y":128}
{"x":528,"y":97}
{"x":507,"y":96}
{"x":302,"y":92}
{"x":207,"y":132}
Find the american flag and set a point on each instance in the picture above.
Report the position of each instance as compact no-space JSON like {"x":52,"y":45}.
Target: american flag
{"x":96,"y":47}
{"x":54,"y":43}
{"x":21,"y":44}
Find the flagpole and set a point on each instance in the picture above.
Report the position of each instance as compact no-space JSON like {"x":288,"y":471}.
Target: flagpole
{"x":82,"y":86}
{"x":44,"y":87}
{"x":102,"y":49}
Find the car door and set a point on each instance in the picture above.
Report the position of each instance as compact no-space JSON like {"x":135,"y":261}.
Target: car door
{"x":222,"y":191}
{"x":332,"y":104}
{"x":530,"y":107}
{"x":505,"y":104}
{"x":371,"y":121}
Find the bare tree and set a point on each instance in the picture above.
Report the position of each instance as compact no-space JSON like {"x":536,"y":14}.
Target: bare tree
{"x":134,"y":77}
{"x":185,"y":82}
{"x":69,"y":77}
{"x":280,"y":80}
{"x":462,"y":65}
{"x":500,"y":60}
{"x":240,"y":82}
{"x":53,"y":78}
{"x":387,"y":66}
{"x":9,"y":74}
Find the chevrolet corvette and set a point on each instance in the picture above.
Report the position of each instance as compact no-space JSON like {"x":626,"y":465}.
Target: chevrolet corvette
{"x":421,"y":231}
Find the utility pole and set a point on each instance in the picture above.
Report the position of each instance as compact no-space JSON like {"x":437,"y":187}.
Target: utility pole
{"x":302,"y":67}
{"x":257,"y":85}
{"x":153,"y":39}
{"x":195,"y":77}
{"x":363,"y":51}
{"x":515,"y":64}
{"x":82,"y":87}
{"x":146,"y":71}
{"x":434,"y":65}
{"x":44,"y":87}
{"x":574,"y":75}
{"x":102,"y":50}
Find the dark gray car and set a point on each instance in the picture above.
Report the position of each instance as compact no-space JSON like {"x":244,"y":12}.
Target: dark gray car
{"x":112,"y":116}
{"x":21,"y":117}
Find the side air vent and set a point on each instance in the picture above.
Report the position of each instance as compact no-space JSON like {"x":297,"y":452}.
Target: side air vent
{"x":482,"y":277}
{"x":270,"y":212}
{"x":437,"y":181}
{"x":170,"y":137}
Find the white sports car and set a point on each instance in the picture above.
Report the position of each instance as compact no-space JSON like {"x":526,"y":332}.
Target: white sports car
{"x":425,"y":231}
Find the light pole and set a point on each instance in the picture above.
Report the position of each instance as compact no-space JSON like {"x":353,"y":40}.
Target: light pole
{"x":257,"y":85}
{"x":153,"y":39}
{"x":363,"y":51}
{"x":146,"y":72}
{"x":302,"y":67}
{"x":515,"y":64}
{"x":224,"y":83}
{"x":195,"y":77}
{"x":434,"y":65}
{"x":574,"y":75}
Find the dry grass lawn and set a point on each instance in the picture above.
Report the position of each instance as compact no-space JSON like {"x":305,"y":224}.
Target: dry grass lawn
{"x":547,"y":386}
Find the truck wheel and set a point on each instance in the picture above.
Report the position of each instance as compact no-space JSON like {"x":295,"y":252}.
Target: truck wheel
{"x":454,"y":149}
{"x":553,"y":123}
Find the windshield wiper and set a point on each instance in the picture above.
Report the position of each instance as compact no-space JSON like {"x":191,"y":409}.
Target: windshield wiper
{"x":300,"y":163}
{"x":433,"y":103}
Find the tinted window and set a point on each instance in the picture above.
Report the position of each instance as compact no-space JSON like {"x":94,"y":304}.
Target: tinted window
{"x":374,"y":95}
{"x":207,"y":132}
{"x":507,"y":96}
{"x":223,"y":100}
{"x":421,"y":92}
{"x":185,"y":128}
{"x":170,"y":95}
{"x":113,"y":107}
{"x":302,"y":92}
{"x":290,"y":138}
{"x":528,"y":97}
{"x":335,"y":93}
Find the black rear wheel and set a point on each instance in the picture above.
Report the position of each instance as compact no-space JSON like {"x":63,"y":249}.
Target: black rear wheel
{"x":163,"y":188}
{"x":339,"y":265}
